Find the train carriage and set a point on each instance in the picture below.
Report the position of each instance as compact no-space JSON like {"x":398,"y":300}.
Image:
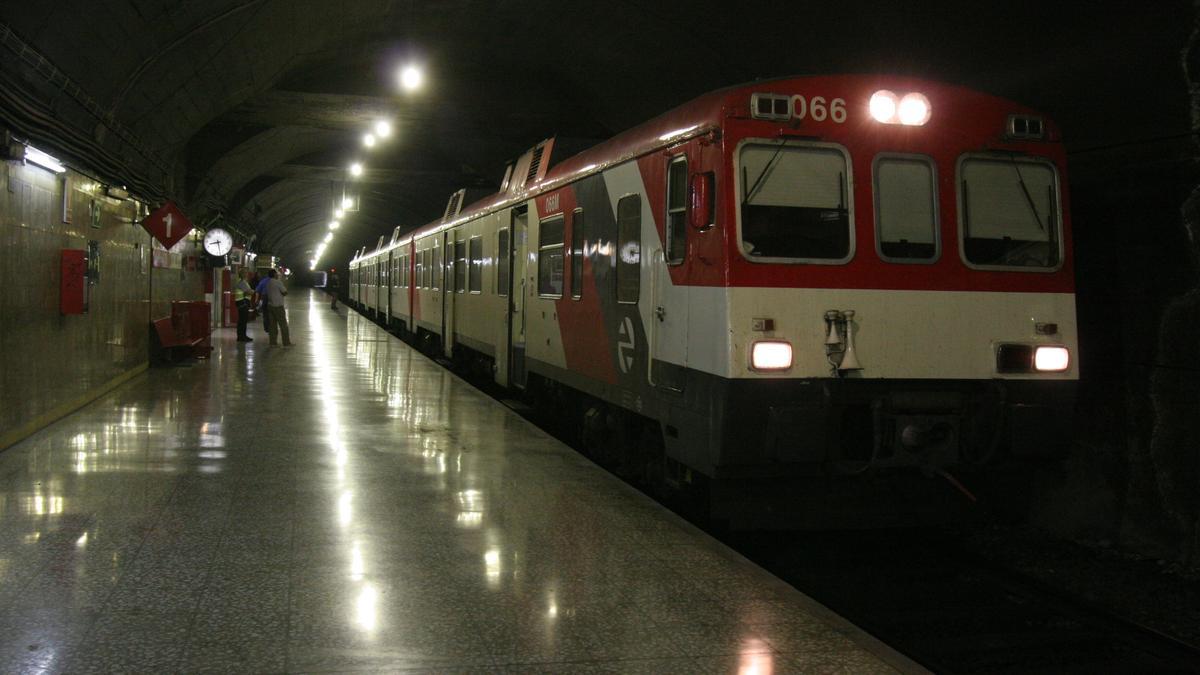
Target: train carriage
{"x":810,"y":277}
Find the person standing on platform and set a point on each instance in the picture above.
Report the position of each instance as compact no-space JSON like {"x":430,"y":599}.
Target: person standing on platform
{"x":241,"y":298}
{"x":275,"y":293}
{"x":332,"y":286}
{"x":261,"y":291}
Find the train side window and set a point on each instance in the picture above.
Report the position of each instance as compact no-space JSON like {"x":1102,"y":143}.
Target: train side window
{"x":629,"y":248}
{"x":795,"y":203}
{"x":1009,"y":213}
{"x":476,"y":261}
{"x":906,"y":227}
{"x":550,"y":257}
{"x":502,"y":265}
{"x":460,"y":266}
{"x":577,"y":244}
{"x":677,"y":210}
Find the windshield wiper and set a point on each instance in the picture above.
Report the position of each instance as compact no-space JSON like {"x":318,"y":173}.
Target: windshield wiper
{"x":758,"y":181}
{"x":1028,"y":197}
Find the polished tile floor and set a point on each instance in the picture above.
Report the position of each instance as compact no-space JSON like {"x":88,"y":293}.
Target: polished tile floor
{"x":346,"y":505}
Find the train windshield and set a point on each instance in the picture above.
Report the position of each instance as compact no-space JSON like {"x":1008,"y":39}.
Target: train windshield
{"x":794,"y":203}
{"x":1009,"y":211}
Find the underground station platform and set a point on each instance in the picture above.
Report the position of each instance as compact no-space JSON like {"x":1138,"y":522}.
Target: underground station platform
{"x":347,"y":505}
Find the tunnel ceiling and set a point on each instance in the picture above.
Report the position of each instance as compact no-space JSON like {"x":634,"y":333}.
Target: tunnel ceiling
{"x":252,"y":109}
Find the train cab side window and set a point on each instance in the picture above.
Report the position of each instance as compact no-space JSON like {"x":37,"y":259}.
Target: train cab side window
{"x":629,"y":248}
{"x":460,"y":266}
{"x":577,"y":244}
{"x":677,"y":210}
{"x":1008,"y":212}
{"x":795,"y":203}
{"x":905,"y":209}
{"x":550,"y":257}
{"x":502,"y":265}
{"x":476,"y":261}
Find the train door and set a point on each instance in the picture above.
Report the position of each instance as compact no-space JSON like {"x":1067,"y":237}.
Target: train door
{"x":522,"y":286}
{"x":450,"y":296}
{"x":385,"y":300}
{"x":669,"y":325}
{"x":434,"y":317}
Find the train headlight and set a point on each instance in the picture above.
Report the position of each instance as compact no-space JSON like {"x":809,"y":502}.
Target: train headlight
{"x":1051,"y":359}
{"x":914,"y":110}
{"x":883,"y":106}
{"x":771,"y":355}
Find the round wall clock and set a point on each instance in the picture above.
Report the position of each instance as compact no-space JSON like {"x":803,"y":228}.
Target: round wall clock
{"x":217,"y":242}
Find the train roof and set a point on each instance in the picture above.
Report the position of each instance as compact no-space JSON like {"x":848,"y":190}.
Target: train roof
{"x":693,"y":118}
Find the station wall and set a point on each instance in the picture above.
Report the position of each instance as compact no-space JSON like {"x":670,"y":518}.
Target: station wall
{"x":50,"y":363}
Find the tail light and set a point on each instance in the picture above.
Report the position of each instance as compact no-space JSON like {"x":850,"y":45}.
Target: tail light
{"x":1051,"y":359}
{"x":771,"y":355}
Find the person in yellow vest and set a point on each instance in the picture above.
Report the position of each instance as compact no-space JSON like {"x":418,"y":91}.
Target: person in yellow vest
{"x":241,"y":298}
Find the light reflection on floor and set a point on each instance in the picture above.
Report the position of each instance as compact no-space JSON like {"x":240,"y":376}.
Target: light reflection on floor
{"x":325,"y":507}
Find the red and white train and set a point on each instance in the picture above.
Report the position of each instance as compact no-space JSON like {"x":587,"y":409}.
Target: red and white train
{"x":839,"y":282}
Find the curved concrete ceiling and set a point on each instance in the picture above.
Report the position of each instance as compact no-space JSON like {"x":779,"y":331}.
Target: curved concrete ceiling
{"x":253,"y":108}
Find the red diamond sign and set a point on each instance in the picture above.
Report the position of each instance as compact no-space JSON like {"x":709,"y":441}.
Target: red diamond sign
{"x":168,"y":225}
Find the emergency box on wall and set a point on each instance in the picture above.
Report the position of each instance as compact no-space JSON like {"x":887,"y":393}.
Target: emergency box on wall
{"x":74,"y":287}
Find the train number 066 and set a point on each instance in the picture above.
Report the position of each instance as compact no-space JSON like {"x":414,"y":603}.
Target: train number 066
{"x":818,"y":109}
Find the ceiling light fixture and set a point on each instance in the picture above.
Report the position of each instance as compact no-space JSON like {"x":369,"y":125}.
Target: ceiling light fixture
{"x":383,"y":128}
{"x":43,"y":160}
{"x":338,"y":213}
{"x":356,"y":169}
{"x":411,"y":78}
{"x":335,"y":225}
{"x":369,"y":140}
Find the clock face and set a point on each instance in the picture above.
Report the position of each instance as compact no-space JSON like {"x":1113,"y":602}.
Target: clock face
{"x":218,"y":242}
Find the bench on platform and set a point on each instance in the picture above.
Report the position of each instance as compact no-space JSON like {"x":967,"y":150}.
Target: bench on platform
{"x":175,"y":340}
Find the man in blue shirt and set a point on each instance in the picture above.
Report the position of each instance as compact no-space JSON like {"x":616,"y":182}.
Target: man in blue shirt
{"x":261,"y":291}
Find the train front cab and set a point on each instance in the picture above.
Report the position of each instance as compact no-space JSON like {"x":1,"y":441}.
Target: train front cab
{"x":900,"y":304}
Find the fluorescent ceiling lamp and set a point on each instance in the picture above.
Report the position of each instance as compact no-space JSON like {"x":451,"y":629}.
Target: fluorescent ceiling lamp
{"x":369,"y":140}
{"x":347,"y":202}
{"x":383,"y":128}
{"x":43,"y":160}
{"x":356,"y":169}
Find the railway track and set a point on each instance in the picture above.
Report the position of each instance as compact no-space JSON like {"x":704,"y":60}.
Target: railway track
{"x":924,"y":594}
{"x":956,"y":613}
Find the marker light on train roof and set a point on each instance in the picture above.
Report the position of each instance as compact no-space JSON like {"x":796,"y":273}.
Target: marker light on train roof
{"x":883,"y":106}
{"x":913,"y":109}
